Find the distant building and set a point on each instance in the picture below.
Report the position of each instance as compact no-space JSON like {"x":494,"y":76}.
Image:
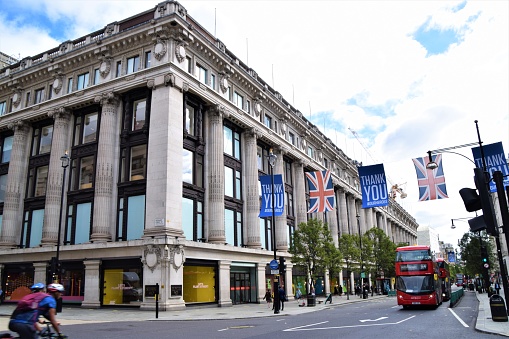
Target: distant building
{"x":167,"y":132}
{"x":428,"y":236}
{"x":6,"y":60}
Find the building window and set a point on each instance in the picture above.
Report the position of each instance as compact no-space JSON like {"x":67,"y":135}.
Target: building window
{"x":138,"y":162}
{"x":86,"y":171}
{"x":201,"y":73}
{"x":231,"y":142}
{"x":291,"y":138}
{"x":148,"y":59}
{"x":131,"y":218}
{"x":83,"y":81}
{"x":238,"y":100}
{"x":289,"y":204}
{"x":27,"y":99}
{"x":133,"y":64}
{"x":291,"y":231}
{"x":248,"y":106}
{"x":192,"y":171}
{"x":97,"y":76}
{"x":232,"y":183}
{"x":69,"y":85}
{"x":32,"y":228}
{"x":3,"y":187}
{"x":192,"y":219}
{"x":262,"y":154}
{"x":39,"y":95}
{"x":266,"y":233}
{"x":189,"y":119}
{"x":188,"y":65}
{"x":41,"y":141}
{"x":50,"y":92}
{"x":139,"y":109}
{"x":268,"y":121}
{"x":85,"y":129}
{"x":233,"y":227}
{"x":37,"y":178}
{"x":7,"y":148}
{"x":119,"y":69}
{"x":310,"y":152}
{"x":2,"y":107}
{"x":213,"y":81}
{"x":288,"y":172}
{"x":78,"y":229}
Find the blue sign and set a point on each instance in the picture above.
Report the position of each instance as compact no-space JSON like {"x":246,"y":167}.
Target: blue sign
{"x":495,"y":161}
{"x":274,"y":265}
{"x":451,"y":256}
{"x":268,"y":195}
{"x":373,"y":186}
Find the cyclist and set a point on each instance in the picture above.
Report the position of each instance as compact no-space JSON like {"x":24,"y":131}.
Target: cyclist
{"x":26,"y":322}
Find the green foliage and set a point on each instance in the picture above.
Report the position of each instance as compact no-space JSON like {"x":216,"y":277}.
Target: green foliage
{"x":470,"y":249}
{"x":379,"y":252}
{"x":348,"y":245}
{"x":313,"y":248}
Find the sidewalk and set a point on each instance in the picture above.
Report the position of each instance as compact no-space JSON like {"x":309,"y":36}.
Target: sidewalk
{"x":77,"y":315}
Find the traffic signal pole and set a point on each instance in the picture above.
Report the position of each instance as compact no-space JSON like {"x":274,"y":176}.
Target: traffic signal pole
{"x":504,"y":211}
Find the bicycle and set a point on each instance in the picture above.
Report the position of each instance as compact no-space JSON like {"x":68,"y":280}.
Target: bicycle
{"x":46,"y":332}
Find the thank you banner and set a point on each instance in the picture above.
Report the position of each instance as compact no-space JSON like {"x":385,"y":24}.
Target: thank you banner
{"x":373,"y":186}
{"x":495,"y":161}
{"x":267,"y":196}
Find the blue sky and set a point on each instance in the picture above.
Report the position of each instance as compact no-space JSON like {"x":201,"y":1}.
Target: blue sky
{"x":406,"y":76}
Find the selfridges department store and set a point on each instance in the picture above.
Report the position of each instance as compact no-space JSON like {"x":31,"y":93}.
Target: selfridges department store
{"x":167,"y":133}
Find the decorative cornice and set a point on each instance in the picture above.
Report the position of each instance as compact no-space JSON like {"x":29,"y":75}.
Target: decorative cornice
{"x":107,"y":98}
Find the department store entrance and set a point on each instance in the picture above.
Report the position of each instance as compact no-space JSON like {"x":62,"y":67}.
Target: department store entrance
{"x":240,"y":288}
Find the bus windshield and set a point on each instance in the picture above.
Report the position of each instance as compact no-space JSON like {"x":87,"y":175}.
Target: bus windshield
{"x":416,"y":255}
{"x":416,"y":284}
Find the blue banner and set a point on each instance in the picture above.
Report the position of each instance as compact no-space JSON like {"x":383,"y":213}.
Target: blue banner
{"x":451,"y":257}
{"x":495,"y":161}
{"x":373,"y":186}
{"x":279,"y":195}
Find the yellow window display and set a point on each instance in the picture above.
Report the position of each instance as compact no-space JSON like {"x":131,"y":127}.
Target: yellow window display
{"x":199,"y":284}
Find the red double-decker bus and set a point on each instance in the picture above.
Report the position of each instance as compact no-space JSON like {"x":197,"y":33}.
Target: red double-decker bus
{"x":417,"y":281}
{"x":445,"y":278}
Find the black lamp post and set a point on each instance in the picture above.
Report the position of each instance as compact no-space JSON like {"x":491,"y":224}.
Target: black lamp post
{"x":360,"y":247}
{"x":56,"y":267}
{"x":272,"y":162}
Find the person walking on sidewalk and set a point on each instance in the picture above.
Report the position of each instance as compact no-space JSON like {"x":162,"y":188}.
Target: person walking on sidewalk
{"x":282,"y":297}
{"x":268,"y":297}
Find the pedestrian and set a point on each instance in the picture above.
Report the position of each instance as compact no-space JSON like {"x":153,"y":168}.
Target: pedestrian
{"x":329,"y":299}
{"x":340,"y":290}
{"x":372,"y":290}
{"x":282,"y":297}
{"x":497,"y":287}
{"x":268,"y":298}
{"x":298,"y":294}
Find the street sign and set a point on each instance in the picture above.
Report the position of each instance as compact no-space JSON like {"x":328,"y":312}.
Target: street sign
{"x":274,"y":271}
{"x":274,"y":265}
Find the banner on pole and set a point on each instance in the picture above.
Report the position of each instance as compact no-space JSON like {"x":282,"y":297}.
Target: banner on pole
{"x":373,"y":186}
{"x":495,"y":161}
{"x":267,"y":196}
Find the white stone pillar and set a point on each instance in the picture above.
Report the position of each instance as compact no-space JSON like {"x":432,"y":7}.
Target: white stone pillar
{"x":352,"y":215}
{"x":104,"y":173}
{"x":299,"y":196}
{"x":262,"y":286}
{"x":15,"y":190}
{"x":343,"y":211}
{"x":224,"y":283}
{"x":215,"y":163}
{"x":54,"y":184}
{"x":40,"y":269}
{"x":164,"y":159}
{"x":281,"y":227}
{"x":92,"y":284}
{"x":252,"y":197}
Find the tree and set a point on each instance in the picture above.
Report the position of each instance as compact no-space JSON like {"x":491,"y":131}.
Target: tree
{"x":311,"y":248}
{"x":348,"y":245}
{"x":470,"y":249}
{"x":379,"y":252}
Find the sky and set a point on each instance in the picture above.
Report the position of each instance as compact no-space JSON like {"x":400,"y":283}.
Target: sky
{"x":386,"y":81}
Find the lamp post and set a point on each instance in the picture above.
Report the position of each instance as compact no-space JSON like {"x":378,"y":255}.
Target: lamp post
{"x":360,"y":247}
{"x":56,"y":267}
{"x":272,"y":162}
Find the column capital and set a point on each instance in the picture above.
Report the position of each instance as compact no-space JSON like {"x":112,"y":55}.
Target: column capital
{"x":219,"y":110}
{"x":110,"y":98}
{"x":18,"y":126}
{"x":59,"y":113}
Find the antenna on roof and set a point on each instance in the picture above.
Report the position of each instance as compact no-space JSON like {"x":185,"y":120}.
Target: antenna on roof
{"x":215,"y":21}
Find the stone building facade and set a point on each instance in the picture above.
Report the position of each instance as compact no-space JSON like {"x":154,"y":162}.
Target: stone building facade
{"x":167,"y":132}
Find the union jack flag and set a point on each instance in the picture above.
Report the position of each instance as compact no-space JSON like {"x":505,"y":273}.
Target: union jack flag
{"x":431,"y":181}
{"x":321,"y":191}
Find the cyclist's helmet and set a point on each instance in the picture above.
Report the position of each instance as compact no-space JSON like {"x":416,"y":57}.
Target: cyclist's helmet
{"x":37,"y":287}
{"x":55,"y":288}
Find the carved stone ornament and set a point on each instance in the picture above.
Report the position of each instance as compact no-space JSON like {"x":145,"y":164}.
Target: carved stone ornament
{"x":57,"y":84}
{"x":257,"y":108}
{"x":177,"y":257}
{"x":152,"y":256}
{"x":180,"y":52}
{"x":160,"y":49}
{"x":223,"y":83}
{"x":104,"y":68}
{"x":16,"y":98}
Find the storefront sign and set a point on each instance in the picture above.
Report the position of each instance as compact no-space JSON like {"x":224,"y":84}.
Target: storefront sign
{"x":176,"y":290}
{"x":151,"y":291}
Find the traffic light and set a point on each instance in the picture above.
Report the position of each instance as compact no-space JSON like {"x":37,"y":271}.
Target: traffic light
{"x":484,"y":256}
{"x":480,"y":199}
{"x":282,"y":265}
{"x":53,"y":265}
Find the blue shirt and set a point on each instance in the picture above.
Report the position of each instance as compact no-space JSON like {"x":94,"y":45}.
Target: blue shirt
{"x":32,"y":316}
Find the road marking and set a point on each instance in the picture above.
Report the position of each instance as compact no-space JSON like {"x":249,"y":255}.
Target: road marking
{"x":306,"y":327}
{"x":364,"y":320}
{"x":457,"y":317}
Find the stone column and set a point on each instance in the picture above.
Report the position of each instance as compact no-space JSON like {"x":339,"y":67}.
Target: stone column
{"x":104,"y":179}
{"x":343,"y":212}
{"x":299,"y":196}
{"x":252,"y":197}
{"x":370,"y":222}
{"x":15,"y":190}
{"x":362,"y":213}
{"x":40,"y":269}
{"x":215,"y":164}
{"x":164,"y":159}
{"x":352,"y":215}
{"x":262,"y":285}
{"x":224,"y":283}
{"x":333,"y":222}
{"x":288,"y":280}
{"x":55,"y":181}
{"x":92,"y":284}
{"x":281,"y":227}
{"x":389,"y":230}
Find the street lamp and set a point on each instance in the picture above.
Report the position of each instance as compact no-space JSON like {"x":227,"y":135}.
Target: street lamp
{"x":56,"y":267}
{"x":272,"y":162}
{"x":360,"y":247}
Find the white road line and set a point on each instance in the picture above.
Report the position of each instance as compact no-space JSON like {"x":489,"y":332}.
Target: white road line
{"x":306,"y":327}
{"x":457,"y":317}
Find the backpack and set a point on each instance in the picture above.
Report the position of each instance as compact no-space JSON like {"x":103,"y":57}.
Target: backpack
{"x":29,"y":303}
